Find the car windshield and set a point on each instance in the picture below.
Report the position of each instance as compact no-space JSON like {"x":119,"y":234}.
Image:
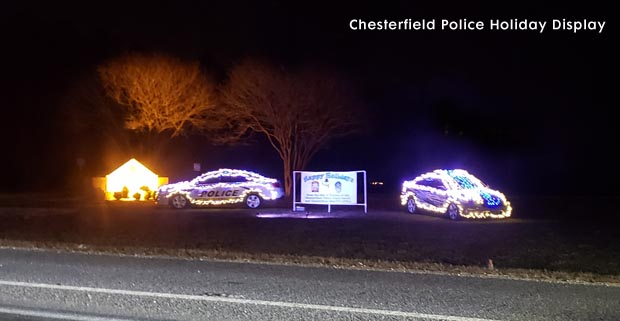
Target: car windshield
{"x":465,"y":182}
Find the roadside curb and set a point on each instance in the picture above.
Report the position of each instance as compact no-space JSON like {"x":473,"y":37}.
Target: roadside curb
{"x":531,"y":275}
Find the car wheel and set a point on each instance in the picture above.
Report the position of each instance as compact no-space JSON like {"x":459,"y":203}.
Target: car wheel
{"x":411,"y":206}
{"x":253,"y":201}
{"x":179,"y":201}
{"x":453,"y":212}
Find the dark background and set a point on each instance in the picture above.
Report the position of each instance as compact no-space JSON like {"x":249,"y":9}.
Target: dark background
{"x":528,"y":113}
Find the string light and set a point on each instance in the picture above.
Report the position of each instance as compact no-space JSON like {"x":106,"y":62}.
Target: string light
{"x":235,"y":192}
{"x":472,"y":197}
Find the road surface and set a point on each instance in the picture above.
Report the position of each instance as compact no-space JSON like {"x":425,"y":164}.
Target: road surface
{"x":46,"y":285}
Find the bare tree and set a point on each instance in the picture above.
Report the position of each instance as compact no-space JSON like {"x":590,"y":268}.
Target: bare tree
{"x":299,"y":112}
{"x":161,"y":93}
{"x":160,"y":98}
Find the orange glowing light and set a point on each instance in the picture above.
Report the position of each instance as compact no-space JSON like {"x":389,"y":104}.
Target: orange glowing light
{"x":131,"y":180}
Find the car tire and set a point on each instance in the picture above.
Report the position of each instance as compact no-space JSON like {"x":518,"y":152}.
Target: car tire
{"x":179,"y":201}
{"x":253,"y":201}
{"x":411,"y":206}
{"x":453,"y":212}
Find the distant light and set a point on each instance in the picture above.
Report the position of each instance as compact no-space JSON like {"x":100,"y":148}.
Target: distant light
{"x":375,"y":183}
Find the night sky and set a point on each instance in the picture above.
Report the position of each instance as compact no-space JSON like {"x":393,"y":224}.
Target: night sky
{"x":528,"y":113}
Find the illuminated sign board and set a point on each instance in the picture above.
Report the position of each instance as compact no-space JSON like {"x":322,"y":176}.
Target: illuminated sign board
{"x":336,"y":188}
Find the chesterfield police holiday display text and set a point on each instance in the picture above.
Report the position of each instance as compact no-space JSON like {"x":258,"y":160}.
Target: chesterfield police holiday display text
{"x":540,"y":26}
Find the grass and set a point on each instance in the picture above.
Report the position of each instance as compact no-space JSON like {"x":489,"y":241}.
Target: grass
{"x":550,"y":248}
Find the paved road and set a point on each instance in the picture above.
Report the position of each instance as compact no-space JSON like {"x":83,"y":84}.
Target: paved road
{"x":38,"y":285}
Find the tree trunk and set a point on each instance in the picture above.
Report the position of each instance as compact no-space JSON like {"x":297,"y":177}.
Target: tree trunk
{"x":288,"y":181}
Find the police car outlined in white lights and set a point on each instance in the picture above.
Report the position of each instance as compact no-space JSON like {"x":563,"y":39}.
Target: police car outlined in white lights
{"x":223,"y":186}
{"x":455,"y":193}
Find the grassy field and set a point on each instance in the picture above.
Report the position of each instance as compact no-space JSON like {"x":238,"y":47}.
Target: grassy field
{"x":584,"y":248}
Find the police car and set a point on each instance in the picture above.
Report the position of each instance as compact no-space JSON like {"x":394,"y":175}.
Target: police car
{"x":455,"y":193}
{"x":223,"y":186}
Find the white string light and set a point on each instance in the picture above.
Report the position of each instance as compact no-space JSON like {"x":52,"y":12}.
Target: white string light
{"x":464,"y":190}
{"x":238,"y":190}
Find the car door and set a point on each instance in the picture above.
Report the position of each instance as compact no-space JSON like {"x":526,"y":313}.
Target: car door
{"x":231,"y":187}
{"x":439,"y":197}
{"x":424,"y":191}
{"x":205,"y":189}
{"x":433,"y":193}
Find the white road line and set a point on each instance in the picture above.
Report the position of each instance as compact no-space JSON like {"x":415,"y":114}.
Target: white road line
{"x":291,"y":305}
{"x":56,"y":315}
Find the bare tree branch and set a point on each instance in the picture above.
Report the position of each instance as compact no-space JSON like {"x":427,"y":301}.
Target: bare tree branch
{"x":299,"y":113}
{"x":160,"y":93}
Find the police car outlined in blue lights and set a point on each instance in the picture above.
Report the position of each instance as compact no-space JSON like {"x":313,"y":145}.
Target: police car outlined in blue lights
{"x":455,"y":193}
{"x":220,"y":187}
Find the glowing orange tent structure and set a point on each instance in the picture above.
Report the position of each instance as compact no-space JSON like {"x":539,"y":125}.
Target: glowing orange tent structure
{"x":131,"y":181}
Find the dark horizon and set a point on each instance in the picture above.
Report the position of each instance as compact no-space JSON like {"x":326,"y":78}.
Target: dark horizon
{"x":528,"y":113}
